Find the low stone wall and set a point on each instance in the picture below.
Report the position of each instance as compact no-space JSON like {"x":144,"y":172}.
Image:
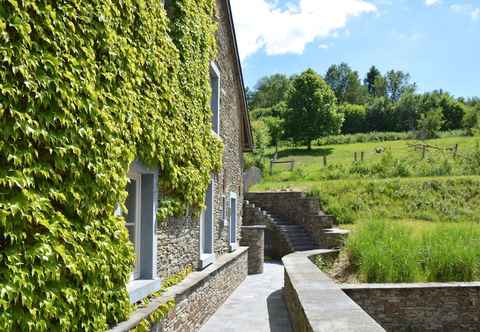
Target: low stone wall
{"x":316,"y":303}
{"x":420,"y":307}
{"x":197,"y":297}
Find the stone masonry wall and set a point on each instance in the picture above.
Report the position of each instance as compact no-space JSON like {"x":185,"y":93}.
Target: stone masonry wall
{"x":420,"y":307}
{"x":178,"y":238}
{"x":297,"y":208}
{"x":196,"y":298}
{"x":200,"y":301}
{"x":253,"y":237}
{"x":275,"y":245}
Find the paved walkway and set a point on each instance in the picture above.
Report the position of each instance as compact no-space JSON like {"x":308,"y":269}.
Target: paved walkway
{"x":255,"y":306}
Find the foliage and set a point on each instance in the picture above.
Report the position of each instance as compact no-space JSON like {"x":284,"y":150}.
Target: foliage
{"x":346,"y":84}
{"x":398,"y":83}
{"x":370,"y":79}
{"x":275,"y":130}
{"x":270,"y":91}
{"x":389,"y":251}
{"x":160,"y":313}
{"x":86,"y":88}
{"x":471,"y":120}
{"x":430,"y":123}
{"x":312,"y":111}
{"x":355,"y":118}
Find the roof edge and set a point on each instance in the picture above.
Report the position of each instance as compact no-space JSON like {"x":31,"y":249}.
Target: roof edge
{"x":248,"y":144}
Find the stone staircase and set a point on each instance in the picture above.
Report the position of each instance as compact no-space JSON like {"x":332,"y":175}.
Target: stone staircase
{"x":297,"y":220}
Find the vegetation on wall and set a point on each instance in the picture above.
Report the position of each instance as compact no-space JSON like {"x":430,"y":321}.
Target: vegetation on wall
{"x":86,"y":88}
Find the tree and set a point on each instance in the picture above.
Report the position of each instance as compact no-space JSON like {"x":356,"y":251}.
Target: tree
{"x":355,"y":118}
{"x":270,"y":91}
{"x":452,"y":109}
{"x":471,"y":120}
{"x":370,"y":79}
{"x":431,"y":122}
{"x":407,"y":111}
{"x":311,"y":109}
{"x":380,"y":87}
{"x":380,"y":115}
{"x":398,"y":83}
{"x":275,"y":130}
{"x":346,"y":84}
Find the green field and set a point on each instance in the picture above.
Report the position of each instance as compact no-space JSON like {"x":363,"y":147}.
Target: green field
{"x":398,"y":157}
{"x":412,"y":218}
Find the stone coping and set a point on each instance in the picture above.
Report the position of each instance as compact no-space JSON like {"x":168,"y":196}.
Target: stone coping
{"x":416,"y":285}
{"x":255,"y":227}
{"x":325,"y":305}
{"x":180,"y":291}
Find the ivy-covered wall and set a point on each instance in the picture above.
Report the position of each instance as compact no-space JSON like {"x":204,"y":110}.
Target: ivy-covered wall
{"x":87,"y":87}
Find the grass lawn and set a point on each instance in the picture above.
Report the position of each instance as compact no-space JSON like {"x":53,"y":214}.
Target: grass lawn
{"x":398,"y":159}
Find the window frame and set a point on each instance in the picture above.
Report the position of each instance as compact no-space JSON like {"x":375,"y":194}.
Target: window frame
{"x":133,"y":175}
{"x":215,"y":104}
{"x":146,"y":281}
{"x":233,"y":224}
{"x":207,"y":217}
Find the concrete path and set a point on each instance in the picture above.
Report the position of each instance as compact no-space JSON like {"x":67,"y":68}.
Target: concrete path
{"x":255,"y":306}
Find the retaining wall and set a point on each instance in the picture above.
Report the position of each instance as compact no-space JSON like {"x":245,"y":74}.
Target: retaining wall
{"x":316,"y":303}
{"x":420,"y":307}
{"x":197,"y":297}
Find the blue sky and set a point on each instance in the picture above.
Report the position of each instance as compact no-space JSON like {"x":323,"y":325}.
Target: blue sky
{"x":436,"y":41}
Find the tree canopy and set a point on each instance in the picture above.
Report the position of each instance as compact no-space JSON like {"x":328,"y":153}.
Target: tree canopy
{"x":311,"y":109}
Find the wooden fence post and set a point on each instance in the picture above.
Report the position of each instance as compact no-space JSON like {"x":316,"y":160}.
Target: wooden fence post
{"x":271,"y":167}
{"x":292,"y":165}
{"x":455,"y":151}
{"x":424,"y":151}
{"x":355,"y":156}
{"x":362,"y":156}
{"x":325,"y":161}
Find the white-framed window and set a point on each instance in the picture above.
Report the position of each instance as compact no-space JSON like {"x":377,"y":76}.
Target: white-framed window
{"x":133,"y":217}
{"x":207,"y":254}
{"x":215,"y":101}
{"x":140,"y":221}
{"x":233,"y":221}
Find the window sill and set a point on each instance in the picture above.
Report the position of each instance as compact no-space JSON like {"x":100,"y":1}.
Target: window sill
{"x":140,"y":289}
{"x":206,"y":260}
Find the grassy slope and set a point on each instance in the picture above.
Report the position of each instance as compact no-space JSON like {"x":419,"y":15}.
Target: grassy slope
{"x":404,"y":229}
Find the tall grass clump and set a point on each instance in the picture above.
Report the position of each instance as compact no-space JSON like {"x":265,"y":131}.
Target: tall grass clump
{"x":382,"y":251}
{"x":451,"y":252}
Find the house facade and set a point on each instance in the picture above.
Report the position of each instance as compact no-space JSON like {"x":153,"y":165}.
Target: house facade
{"x":104,"y":116}
{"x":165,"y":248}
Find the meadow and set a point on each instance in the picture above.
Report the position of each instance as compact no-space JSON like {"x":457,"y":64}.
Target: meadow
{"x":413,"y":218}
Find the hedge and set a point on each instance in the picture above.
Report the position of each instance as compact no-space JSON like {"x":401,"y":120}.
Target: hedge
{"x":86,"y":88}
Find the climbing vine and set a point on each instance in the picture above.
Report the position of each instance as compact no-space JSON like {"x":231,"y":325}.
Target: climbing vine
{"x":86,"y":88}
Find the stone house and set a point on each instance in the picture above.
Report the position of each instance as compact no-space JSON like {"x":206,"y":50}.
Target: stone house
{"x":168,"y":247}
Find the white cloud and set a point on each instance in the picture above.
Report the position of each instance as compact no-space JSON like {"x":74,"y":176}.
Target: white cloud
{"x":476,"y":14}
{"x":467,"y":9}
{"x":432,"y":2}
{"x":323,"y":46}
{"x":262,"y":24}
